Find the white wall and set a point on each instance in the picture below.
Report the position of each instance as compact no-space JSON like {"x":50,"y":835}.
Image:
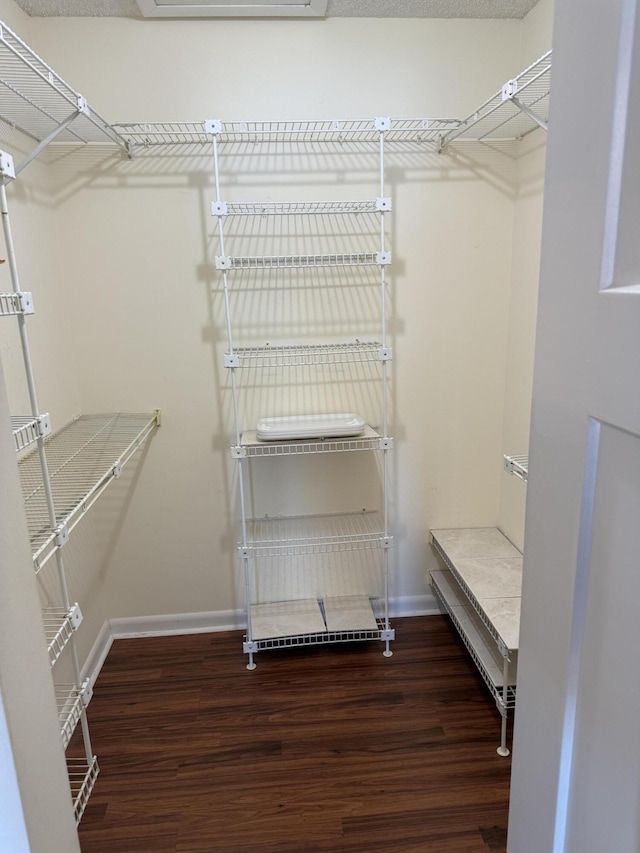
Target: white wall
{"x":134,"y":243}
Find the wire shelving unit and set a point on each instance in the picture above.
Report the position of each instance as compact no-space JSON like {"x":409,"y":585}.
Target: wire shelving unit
{"x":488,"y":624}
{"x":85,"y":457}
{"x":317,"y":535}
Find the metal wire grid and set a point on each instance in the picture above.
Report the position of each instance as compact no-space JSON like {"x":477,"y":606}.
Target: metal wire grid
{"x":267,"y":262}
{"x":36,"y":100}
{"x":518,"y":466}
{"x":82,"y":778}
{"x":69,"y":702}
{"x":83,"y":457}
{"x":502,"y":119}
{"x":308,"y":356}
{"x":10,"y":305}
{"x":314,"y":534}
{"x":504,"y":649}
{"x":58,"y":629}
{"x":494,"y":688}
{"x":148,"y":134}
{"x":251,"y":448}
{"x":293,"y":208}
{"x":25,"y":430}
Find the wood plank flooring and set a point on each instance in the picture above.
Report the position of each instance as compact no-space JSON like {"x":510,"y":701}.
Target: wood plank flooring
{"x":331,"y":748}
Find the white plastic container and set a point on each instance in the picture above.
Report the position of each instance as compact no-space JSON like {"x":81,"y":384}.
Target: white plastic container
{"x":309,"y":426}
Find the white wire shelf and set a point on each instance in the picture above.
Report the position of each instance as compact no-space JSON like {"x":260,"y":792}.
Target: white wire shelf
{"x":13,"y":304}
{"x":82,"y":778}
{"x":296,"y":208}
{"x":70,"y":707}
{"x":252,"y":447}
{"x":314,"y":534}
{"x":83,"y":458}
{"x":149,"y":134}
{"x":267,"y":262}
{"x":59,"y":625}
{"x":477,"y":640}
{"x":311,"y":355}
{"x":514,"y":114}
{"x":302,"y":638}
{"x":27,"y":430}
{"x":36,"y":100}
{"x":518,"y":466}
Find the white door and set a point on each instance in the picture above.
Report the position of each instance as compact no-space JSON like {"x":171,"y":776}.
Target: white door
{"x":576,"y":756}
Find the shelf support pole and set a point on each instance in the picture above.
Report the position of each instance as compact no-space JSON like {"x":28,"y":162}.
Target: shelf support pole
{"x":530,"y":113}
{"x":503,"y":749}
{"x":42,"y":145}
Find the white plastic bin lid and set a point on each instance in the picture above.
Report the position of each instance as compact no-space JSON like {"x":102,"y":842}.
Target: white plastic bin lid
{"x":309,"y":426}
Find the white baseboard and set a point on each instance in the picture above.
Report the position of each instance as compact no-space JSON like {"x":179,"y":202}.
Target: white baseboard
{"x":173,"y":624}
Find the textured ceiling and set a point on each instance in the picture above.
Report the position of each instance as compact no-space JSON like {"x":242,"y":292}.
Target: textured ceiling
{"x":336,"y":8}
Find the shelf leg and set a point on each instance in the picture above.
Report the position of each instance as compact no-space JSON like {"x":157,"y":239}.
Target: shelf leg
{"x":252,"y":664}
{"x":387,"y":652}
{"x":503,"y":750}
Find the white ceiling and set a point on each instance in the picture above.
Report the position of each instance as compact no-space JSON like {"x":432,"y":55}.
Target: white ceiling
{"x":335,"y":9}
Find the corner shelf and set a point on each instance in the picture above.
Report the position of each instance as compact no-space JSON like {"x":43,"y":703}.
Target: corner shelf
{"x":520,"y":106}
{"x":84,"y":458}
{"x":39,"y":103}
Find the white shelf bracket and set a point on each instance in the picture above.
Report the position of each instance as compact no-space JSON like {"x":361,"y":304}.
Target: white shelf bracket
{"x":249,"y":648}
{"x":83,"y":106}
{"x":245,"y":553}
{"x":238,"y":452}
{"x":223,"y":263}
{"x":7,"y":168}
{"x":387,"y":542}
{"x":44,"y":425}
{"x":383,"y":258}
{"x":509,"y":92}
{"x":388,"y":634}
{"x":117,"y":469}
{"x":382,"y":123}
{"x":386,"y":443}
{"x":218,"y":208}
{"x":231,"y":359}
{"x":75,"y":617}
{"x":25,"y":301}
{"x":62,"y":535}
{"x":212,"y":126}
{"x":86,"y":693}
{"x":385,"y":354}
{"x":384,"y":205}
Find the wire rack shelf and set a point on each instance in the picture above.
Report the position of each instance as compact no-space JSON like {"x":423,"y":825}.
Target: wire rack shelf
{"x":518,"y":466}
{"x":84,"y":458}
{"x":253,"y":448}
{"x":59,"y":625}
{"x":82,"y":778}
{"x":321,"y":638}
{"x":295,"y":208}
{"x":69,"y":702}
{"x":149,"y":134}
{"x":268,"y":262}
{"x":37,"y":101}
{"x":473,"y":634}
{"x":314,"y":534}
{"x":510,"y":115}
{"x":311,"y":355}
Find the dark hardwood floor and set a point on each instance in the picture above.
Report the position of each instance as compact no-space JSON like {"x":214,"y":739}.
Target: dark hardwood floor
{"x":331,"y":748}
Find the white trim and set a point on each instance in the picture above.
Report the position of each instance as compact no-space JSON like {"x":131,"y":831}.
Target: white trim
{"x":269,"y":9}
{"x":174,"y":624}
